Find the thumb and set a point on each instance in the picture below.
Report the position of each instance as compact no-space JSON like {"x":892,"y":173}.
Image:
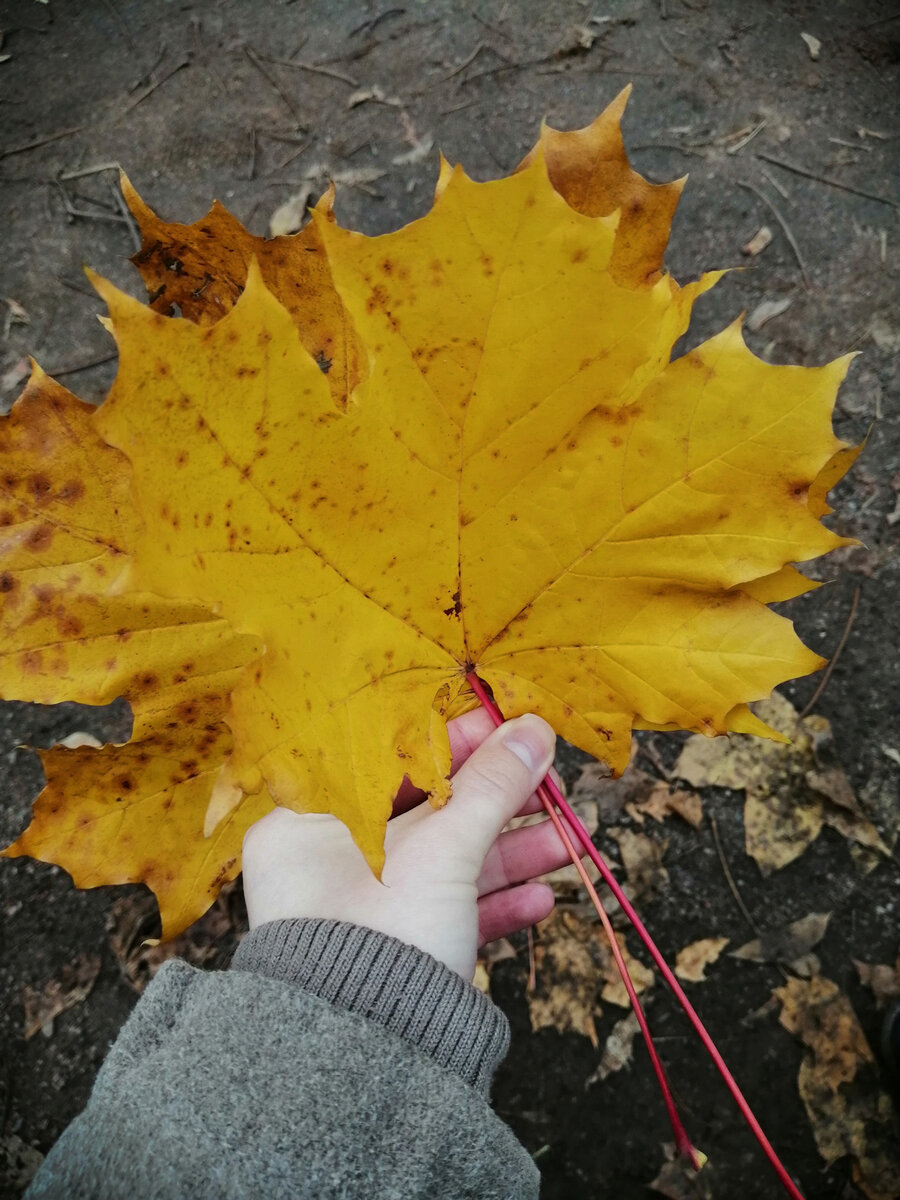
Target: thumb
{"x":494,"y":783}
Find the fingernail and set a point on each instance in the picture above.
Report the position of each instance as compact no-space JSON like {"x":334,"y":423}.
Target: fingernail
{"x":531,"y":740}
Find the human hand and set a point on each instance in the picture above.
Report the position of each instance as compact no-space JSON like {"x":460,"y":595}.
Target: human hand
{"x":452,"y":879}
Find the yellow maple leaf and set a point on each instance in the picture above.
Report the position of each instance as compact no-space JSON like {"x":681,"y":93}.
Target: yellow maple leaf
{"x":522,"y":484}
{"x":133,"y":813}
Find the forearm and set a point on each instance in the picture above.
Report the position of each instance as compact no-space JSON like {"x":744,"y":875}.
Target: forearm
{"x":330,"y":1061}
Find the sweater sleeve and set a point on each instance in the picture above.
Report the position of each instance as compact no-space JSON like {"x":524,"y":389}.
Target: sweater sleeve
{"x":329,"y":1061}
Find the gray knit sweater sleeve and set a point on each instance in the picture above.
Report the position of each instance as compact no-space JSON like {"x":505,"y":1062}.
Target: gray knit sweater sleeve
{"x":331,"y":1062}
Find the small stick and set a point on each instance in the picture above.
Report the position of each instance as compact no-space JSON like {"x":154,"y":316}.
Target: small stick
{"x":314,"y":69}
{"x":462,"y":66}
{"x":293,"y":154}
{"x":653,"y":754}
{"x":85,"y":291}
{"x":445,"y":112}
{"x":532,"y":965}
{"x":827,"y":179}
{"x":782,"y":191}
{"x":749,"y":137}
{"x":87,"y":213}
{"x":784,"y":225}
{"x":493,"y":28}
{"x":368,"y":26}
{"x":40,"y":141}
{"x":126,"y":215}
{"x":253,"y":151}
{"x":151,"y":87}
{"x":823,"y":682}
{"x":82,"y":171}
{"x":726,"y":871}
{"x":270,"y":78}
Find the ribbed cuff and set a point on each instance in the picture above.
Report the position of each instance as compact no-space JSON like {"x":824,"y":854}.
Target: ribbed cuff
{"x":402,"y":988}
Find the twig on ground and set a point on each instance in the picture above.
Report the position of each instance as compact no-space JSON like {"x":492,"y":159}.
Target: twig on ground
{"x":532,"y":966}
{"x":273,"y":82}
{"x":445,"y":112}
{"x":784,"y":225}
{"x":81,"y":172}
{"x":126,"y":215}
{"x":293,"y":154}
{"x":253,"y":150}
{"x":493,"y":28}
{"x":729,"y":878}
{"x":314,"y":69}
{"x":826,"y":179}
{"x":779,"y":188}
{"x":748,"y":137}
{"x":152,"y":86}
{"x":653,"y":754}
{"x":851,"y":145}
{"x":40,"y":141}
{"x":87,"y":213}
{"x":75,"y":287}
{"x":823,"y":682}
{"x":368,"y":26}
{"x":460,"y":67}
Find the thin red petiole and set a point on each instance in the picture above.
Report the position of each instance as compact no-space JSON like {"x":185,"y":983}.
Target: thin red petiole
{"x":682,"y":1141}
{"x":610,"y":880}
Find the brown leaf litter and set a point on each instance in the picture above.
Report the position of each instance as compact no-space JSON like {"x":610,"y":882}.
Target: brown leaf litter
{"x":692,"y":961}
{"x":45,"y":1003}
{"x":848,"y":1112}
{"x":790,"y":945}
{"x":573,"y":961}
{"x":792,"y":789}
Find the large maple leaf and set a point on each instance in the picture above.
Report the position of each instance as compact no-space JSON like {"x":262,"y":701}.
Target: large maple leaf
{"x":510,"y":476}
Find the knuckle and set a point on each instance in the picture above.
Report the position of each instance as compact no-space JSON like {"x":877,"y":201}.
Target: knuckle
{"x":494,"y":773}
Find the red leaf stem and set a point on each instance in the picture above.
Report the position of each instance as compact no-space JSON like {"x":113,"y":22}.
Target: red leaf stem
{"x":682,"y":1141}
{"x":700,"y":1029}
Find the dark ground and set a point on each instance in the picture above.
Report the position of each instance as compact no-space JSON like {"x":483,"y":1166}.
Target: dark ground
{"x":702,"y":71}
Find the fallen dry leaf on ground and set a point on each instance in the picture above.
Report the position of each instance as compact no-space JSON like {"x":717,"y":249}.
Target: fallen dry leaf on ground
{"x":340,"y":475}
{"x":642,"y":858}
{"x":792,"y":788}
{"x":564,"y":995}
{"x":661,"y":803}
{"x":758,"y":243}
{"x":677,"y":1180}
{"x":883,"y":979}
{"x":488,"y":956}
{"x":43,"y":1004}
{"x":847,"y":1109}
{"x":692,"y":961}
{"x":790,"y":944}
{"x":18,"y":1162}
{"x":133,"y":927}
{"x":617,"y":1049}
{"x":613,"y":988}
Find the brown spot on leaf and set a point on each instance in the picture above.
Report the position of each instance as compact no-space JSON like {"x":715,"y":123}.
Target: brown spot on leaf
{"x":72,"y":491}
{"x":40,"y":538}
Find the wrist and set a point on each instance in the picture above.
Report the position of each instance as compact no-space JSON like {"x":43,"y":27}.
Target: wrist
{"x":394,"y":984}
